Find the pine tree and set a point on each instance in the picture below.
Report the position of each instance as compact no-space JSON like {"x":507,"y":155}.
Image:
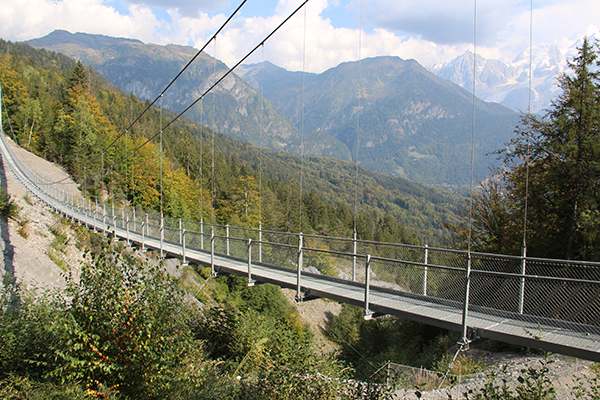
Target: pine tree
{"x":558,"y":156}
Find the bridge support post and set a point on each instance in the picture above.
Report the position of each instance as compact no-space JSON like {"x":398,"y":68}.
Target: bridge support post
{"x":368,"y":312}
{"x":143,"y":244}
{"x":201,"y":233}
{"x":260,"y":242}
{"x":251,"y":281}
{"x":212,"y":251}
{"x":354,"y":256}
{"x":465,"y":329}
{"x":425,"y":260}
{"x":114,"y":220}
{"x":180,"y":232}
{"x":299,"y":272}
{"x":162,"y":235}
{"x":95,"y":215}
{"x":522,"y":286}
{"x":183,"y":247}
{"x":227,"y":237}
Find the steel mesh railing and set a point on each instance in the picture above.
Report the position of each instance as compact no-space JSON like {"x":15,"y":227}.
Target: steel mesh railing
{"x":564,"y":292}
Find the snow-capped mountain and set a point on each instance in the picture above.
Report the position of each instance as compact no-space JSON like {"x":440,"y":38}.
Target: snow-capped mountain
{"x":508,"y":83}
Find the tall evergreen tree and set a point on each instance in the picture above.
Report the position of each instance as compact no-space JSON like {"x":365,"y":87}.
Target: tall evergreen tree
{"x":553,"y":172}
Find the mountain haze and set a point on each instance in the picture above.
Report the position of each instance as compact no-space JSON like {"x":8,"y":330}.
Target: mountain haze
{"x":507,"y":83}
{"x":413,"y":123}
{"x":146,"y":69}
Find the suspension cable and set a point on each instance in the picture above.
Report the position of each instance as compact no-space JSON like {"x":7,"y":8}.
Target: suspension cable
{"x":161,"y":160}
{"x":358,"y":120}
{"x":302,"y":122}
{"x":261,"y":127}
{"x":468,"y":270}
{"x":212,"y":179}
{"x":201,"y":159}
{"x":219,"y":80}
{"x":213,"y":37}
{"x":524,"y":249}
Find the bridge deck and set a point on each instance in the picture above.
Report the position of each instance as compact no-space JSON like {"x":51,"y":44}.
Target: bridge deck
{"x":572,"y":339}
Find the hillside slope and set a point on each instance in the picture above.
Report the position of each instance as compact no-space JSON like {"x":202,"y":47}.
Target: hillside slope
{"x":233,"y":108}
{"x":411,"y":123}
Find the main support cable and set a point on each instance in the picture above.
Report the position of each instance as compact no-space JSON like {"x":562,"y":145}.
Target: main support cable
{"x":220,"y":79}
{"x":213,"y":37}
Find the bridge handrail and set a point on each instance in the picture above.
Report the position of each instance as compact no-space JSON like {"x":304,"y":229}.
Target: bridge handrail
{"x":517,"y":293}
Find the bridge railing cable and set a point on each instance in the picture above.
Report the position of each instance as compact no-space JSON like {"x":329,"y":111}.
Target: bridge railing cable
{"x":559,"y":294}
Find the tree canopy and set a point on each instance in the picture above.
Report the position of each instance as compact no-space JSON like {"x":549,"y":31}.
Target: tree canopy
{"x":547,"y":195}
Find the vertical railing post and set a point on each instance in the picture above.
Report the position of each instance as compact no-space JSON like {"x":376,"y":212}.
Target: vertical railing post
{"x":260,"y":242}
{"x":128,"y":243}
{"x":354,"y":256}
{"x":123,"y":217}
{"x":134,"y":221}
{"x":147,"y":225}
{"x":425,"y":261}
{"x":180,"y":232}
{"x":227,"y":237}
{"x":183,"y":247}
{"x":299,"y":271}
{"x":368,"y":312}
{"x":104,"y":220}
{"x":114,"y":220}
{"x":95,"y":215}
{"x":143,"y":243}
{"x":522,"y":286}
{"x":162,"y":235}
{"x":250,"y":280}
{"x":212,"y":250}
{"x":201,"y":233}
{"x":465,"y":339}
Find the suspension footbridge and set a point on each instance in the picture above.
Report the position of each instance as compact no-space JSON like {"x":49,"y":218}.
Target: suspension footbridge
{"x":552,"y":305}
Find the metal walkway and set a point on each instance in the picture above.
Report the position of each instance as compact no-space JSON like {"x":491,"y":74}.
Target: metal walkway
{"x":552,"y":305}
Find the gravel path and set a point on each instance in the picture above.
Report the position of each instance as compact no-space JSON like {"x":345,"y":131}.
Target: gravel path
{"x":28,"y":243}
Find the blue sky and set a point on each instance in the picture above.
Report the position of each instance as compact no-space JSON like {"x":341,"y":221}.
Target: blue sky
{"x":430,"y":31}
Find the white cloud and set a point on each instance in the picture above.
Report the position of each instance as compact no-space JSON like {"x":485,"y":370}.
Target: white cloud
{"x":29,"y":19}
{"x":439,"y":29}
{"x":187,"y":8}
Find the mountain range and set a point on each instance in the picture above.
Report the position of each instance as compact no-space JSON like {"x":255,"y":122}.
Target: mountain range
{"x":408,"y":121}
{"x":507,"y":83}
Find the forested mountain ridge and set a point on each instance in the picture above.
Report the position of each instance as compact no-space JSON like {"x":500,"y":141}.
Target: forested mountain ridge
{"x":413,"y":124}
{"x":145,"y":70}
{"x":69,"y":118}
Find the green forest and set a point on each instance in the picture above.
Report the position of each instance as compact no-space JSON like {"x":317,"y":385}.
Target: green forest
{"x":127,"y":329}
{"x":70,"y":115}
{"x":546,"y":202}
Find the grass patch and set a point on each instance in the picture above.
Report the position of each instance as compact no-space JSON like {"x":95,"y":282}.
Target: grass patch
{"x":28,"y":199}
{"x":57,"y":259}
{"x":23,"y":227}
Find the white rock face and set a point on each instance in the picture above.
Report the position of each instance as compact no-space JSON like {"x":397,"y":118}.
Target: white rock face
{"x":508,"y":83}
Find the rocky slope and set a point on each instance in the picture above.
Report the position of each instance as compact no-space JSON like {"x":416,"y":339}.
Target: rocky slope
{"x":39,"y":249}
